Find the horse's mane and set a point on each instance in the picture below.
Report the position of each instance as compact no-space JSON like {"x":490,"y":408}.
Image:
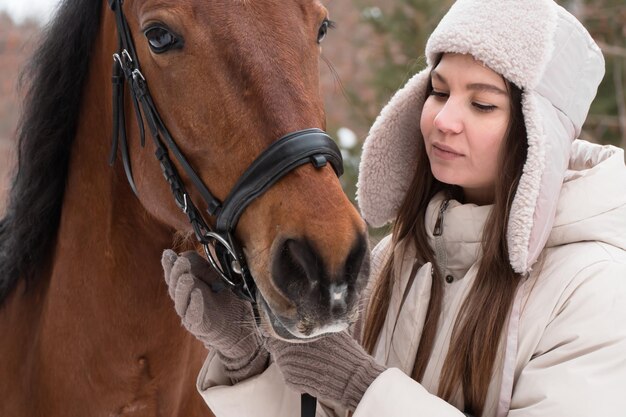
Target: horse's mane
{"x":53,"y":83}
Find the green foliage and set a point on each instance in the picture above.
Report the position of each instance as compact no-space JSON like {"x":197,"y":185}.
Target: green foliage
{"x":405,"y":28}
{"x":606,"y":21}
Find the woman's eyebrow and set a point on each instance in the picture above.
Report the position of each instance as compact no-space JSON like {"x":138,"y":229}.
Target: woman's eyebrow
{"x":486,"y":87}
{"x":473,"y":86}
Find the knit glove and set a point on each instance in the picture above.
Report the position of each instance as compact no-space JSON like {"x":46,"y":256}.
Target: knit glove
{"x":333,"y":368}
{"x":219,"y":319}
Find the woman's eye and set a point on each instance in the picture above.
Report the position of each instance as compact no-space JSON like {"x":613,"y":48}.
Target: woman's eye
{"x":161,"y":40}
{"x":321,"y":34}
{"x":484,"y":107}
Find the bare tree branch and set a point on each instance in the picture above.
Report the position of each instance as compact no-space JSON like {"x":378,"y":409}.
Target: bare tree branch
{"x":618,"y":79}
{"x":608,"y":120}
{"x":612,"y":49}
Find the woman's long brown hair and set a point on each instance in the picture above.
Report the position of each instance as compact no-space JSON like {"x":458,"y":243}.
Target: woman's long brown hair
{"x":482,"y":317}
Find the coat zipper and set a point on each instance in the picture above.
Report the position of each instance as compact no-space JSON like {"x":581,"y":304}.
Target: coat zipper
{"x":438,"y":231}
{"x":440,"y":251}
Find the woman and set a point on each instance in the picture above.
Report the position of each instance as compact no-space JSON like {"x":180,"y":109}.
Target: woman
{"x":502,"y":289}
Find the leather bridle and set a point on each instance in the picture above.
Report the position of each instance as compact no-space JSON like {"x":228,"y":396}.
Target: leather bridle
{"x":281,"y":157}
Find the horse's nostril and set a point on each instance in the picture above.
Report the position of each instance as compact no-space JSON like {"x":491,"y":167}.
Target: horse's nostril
{"x":354,"y":262}
{"x":296,"y":268}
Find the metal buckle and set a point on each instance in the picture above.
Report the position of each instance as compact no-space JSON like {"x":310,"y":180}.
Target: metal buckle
{"x":214,"y":239}
{"x":125,"y":61}
{"x":138,"y":74}
{"x":126,"y":55}
{"x":186,"y":207}
{"x":118,"y":59}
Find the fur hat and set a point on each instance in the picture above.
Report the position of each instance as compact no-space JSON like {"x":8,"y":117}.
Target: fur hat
{"x":538,"y":46}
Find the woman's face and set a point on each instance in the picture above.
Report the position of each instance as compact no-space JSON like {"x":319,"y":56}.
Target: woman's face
{"x":463,"y":122}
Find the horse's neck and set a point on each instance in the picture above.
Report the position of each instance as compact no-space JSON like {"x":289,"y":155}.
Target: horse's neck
{"x":107,"y":243}
{"x":99,"y":335}
{"x":106,"y":262}
{"x":106,"y":321}
{"x":106,"y":304}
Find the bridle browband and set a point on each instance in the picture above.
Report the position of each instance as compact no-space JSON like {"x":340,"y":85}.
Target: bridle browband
{"x":281,"y":157}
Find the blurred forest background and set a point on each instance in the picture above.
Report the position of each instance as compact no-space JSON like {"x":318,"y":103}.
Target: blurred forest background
{"x":376,"y":46}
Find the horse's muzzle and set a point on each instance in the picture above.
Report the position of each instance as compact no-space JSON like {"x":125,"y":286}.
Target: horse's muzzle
{"x":324,"y":300}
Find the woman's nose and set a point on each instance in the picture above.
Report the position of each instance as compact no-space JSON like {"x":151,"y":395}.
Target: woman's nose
{"x":448,"y":119}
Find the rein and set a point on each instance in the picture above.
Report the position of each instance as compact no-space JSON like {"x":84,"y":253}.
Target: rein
{"x":220,"y":246}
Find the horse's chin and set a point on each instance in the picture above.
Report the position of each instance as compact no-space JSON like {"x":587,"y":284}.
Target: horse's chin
{"x":286,"y":329}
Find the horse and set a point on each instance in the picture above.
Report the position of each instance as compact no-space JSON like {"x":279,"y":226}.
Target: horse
{"x":87,"y":326}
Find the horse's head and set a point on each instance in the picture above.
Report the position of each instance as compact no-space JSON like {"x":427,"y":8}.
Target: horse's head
{"x":228,"y":78}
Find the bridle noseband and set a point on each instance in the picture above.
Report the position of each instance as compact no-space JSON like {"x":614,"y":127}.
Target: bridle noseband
{"x":221,"y":248}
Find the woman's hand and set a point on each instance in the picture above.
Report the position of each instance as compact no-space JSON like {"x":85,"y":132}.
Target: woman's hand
{"x":333,"y":368}
{"x":219,"y":319}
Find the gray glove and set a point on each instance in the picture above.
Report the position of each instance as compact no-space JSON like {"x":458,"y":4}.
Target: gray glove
{"x":333,"y":368}
{"x":219,"y":319}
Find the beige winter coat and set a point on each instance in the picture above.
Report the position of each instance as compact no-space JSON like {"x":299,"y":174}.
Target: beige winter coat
{"x":564,"y":351}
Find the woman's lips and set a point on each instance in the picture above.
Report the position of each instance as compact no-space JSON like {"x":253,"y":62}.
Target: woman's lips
{"x":445,"y":152}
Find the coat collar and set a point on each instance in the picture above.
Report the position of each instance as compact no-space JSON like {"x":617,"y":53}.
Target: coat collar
{"x":459,"y":245}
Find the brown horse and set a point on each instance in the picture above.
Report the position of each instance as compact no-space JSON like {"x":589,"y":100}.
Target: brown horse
{"x":87,"y":326}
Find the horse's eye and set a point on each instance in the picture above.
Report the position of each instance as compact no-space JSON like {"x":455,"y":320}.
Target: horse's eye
{"x":321,"y":34}
{"x":161,"y":39}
